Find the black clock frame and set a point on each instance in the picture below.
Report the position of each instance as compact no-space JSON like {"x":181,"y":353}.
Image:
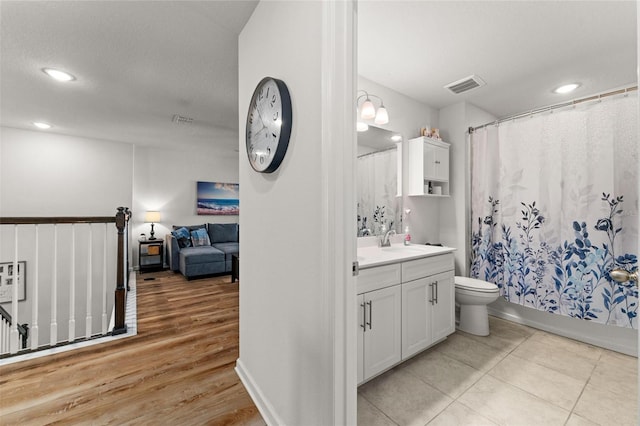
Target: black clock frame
{"x":285,"y":128}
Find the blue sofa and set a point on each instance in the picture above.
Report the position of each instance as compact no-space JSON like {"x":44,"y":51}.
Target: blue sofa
{"x":199,"y":250}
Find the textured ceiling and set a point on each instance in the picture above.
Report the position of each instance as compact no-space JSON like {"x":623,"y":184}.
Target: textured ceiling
{"x":139,"y":63}
{"x":521,"y":49}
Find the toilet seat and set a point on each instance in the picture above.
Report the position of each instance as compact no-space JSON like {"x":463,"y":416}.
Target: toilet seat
{"x":475,"y":285}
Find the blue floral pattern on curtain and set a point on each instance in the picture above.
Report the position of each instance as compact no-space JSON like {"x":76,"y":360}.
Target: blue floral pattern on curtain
{"x":552,"y":243}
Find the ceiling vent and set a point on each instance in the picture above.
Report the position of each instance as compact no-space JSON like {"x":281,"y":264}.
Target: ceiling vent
{"x":465,"y":84}
{"x":180,"y":119}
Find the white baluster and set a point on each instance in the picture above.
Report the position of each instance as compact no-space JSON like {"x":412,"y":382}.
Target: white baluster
{"x":54,"y":290}
{"x":104,"y":281}
{"x":35,"y":307}
{"x":13,"y":341}
{"x":72,"y":287}
{"x":4,"y":337}
{"x":89,"y":318}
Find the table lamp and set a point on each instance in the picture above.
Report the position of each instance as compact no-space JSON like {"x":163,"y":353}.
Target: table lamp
{"x":151,"y":217}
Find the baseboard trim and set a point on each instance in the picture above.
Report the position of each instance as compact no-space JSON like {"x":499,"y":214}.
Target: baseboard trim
{"x":266,"y":409}
{"x":625,"y":346}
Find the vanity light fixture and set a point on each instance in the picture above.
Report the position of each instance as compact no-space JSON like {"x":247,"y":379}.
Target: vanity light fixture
{"x":368,"y":110}
{"x":362,"y":126}
{"x":41,"y":125}
{"x":396,"y":138}
{"x":566,"y":88}
{"x":58,"y":74}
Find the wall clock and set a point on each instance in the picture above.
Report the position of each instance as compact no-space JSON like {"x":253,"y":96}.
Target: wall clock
{"x":268,"y":125}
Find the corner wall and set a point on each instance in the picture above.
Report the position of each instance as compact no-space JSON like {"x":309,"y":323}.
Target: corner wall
{"x":164,"y":179}
{"x":455,"y":121}
{"x":294,"y":338}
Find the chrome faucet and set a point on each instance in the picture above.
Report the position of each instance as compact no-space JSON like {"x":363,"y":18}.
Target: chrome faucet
{"x":386,"y":242}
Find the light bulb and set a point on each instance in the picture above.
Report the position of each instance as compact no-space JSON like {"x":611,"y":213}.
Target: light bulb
{"x":58,"y":75}
{"x":382,"y":116}
{"x":368,"y":110}
{"x":41,"y":125}
{"x":567,"y":88}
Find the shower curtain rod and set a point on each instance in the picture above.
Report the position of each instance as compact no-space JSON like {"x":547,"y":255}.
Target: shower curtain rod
{"x":552,"y":107}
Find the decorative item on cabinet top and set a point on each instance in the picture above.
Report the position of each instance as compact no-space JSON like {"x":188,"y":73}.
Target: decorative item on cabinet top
{"x":428,"y":167}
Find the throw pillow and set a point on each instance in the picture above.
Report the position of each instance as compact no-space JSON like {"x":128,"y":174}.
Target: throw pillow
{"x":199,"y":237}
{"x":182,"y":236}
{"x":223,"y":232}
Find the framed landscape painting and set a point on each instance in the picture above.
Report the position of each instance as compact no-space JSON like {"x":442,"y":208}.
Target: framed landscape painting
{"x":215,"y":198}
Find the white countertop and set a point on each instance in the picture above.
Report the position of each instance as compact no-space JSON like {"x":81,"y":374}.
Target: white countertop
{"x":371,"y":256}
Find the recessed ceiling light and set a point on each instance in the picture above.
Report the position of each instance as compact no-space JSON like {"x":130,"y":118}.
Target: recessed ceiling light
{"x":58,"y":75}
{"x":567,"y":88}
{"x":41,"y":125}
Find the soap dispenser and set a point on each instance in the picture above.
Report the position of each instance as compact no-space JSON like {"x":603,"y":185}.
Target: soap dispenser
{"x":407,"y":235}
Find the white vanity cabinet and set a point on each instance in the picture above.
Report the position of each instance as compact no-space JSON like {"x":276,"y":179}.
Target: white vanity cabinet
{"x":403,"y":308}
{"x":379,"y":320}
{"x":428,"y":166}
{"x":428,"y":314}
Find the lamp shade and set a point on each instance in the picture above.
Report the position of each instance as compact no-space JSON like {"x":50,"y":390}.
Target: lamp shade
{"x":382,"y":116}
{"x":368,"y":110}
{"x":152,"y":217}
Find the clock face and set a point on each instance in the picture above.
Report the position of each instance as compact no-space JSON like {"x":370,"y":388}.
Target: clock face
{"x":268,"y":125}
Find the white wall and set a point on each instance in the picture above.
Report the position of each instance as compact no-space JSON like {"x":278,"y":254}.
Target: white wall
{"x":164,"y":179}
{"x":45,"y":174}
{"x":407,"y":116}
{"x":455,"y":121}
{"x":287,"y":302}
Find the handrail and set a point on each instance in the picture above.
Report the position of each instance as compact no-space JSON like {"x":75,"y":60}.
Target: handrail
{"x":23,"y":329}
{"x":120,"y":219}
{"x":55,"y":220}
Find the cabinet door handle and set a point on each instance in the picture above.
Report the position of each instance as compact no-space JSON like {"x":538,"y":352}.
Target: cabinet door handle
{"x":431,"y":293}
{"x":436,"y":298}
{"x":364,"y":316}
{"x":437,"y":162}
{"x":370,"y":303}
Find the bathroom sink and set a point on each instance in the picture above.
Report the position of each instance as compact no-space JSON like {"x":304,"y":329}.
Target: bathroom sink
{"x":373,"y":256}
{"x":401,"y":249}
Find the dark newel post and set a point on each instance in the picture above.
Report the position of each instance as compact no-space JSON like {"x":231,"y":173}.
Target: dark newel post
{"x":120,"y":327}
{"x":128,"y":216}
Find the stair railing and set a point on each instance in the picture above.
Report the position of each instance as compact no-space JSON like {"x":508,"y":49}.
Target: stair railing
{"x":66,"y":260}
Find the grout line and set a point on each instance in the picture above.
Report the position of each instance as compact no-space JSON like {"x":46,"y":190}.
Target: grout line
{"x":584,"y":388}
{"x":376,"y":407}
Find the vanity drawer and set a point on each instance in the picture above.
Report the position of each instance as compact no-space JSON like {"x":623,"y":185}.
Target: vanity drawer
{"x":420,"y":268}
{"x":378,"y":277}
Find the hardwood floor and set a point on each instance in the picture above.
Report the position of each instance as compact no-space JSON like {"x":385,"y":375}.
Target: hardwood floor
{"x":178,"y":370}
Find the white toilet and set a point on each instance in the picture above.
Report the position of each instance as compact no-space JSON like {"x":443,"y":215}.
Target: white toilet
{"x":473,"y":296}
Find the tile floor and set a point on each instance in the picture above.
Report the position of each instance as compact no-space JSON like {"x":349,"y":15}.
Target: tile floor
{"x":516,"y":376}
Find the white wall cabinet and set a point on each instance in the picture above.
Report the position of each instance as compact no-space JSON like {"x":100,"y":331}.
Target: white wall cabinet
{"x":428,"y":167}
{"x":403,"y":308}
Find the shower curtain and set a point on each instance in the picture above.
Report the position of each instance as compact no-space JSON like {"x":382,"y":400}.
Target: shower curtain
{"x":554,"y":208}
{"x":377,"y":187}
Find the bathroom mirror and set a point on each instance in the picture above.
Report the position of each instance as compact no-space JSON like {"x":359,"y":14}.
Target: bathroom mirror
{"x":379,"y":196}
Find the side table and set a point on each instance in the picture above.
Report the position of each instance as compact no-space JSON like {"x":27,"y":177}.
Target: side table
{"x":235,"y":267}
{"x":151,"y":255}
